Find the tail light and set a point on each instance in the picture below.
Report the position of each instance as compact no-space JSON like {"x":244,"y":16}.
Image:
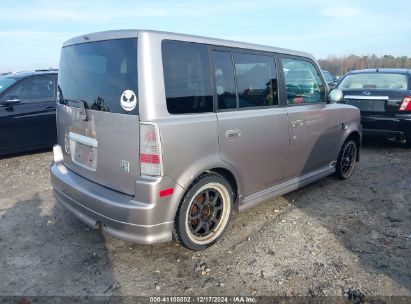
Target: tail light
{"x":150,"y":150}
{"x":406,"y":104}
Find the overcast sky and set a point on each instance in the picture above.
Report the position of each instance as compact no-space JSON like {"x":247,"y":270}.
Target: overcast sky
{"x":32,"y":32}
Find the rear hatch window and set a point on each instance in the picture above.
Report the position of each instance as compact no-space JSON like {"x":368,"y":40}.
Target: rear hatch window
{"x":102,"y":75}
{"x":375,"y":93}
{"x":374,"y":81}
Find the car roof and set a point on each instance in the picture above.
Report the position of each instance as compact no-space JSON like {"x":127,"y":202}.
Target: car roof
{"x":24,"y":74}
{"x":381,"y":70}
{"x":134,"y":33}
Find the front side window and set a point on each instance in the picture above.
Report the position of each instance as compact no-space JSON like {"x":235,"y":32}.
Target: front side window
{"x":303,"y":83}
{"x":187,"y":77}
{"x":256,"y":80}
{"x":36,"y":89}
{"x":6,"y":82}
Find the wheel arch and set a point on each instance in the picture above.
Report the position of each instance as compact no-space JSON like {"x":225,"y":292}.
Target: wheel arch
{"x":230,"y":178}
{"x":223,"y":170}
{"x":356,"y":137}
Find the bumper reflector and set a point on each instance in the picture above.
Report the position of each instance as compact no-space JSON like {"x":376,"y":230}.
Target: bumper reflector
{"x":57,"y":154}
{"x":166,"y":192}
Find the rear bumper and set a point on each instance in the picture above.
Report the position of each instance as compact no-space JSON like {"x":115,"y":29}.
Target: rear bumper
{"x":399,"y":126}
{"x":120,"y":215}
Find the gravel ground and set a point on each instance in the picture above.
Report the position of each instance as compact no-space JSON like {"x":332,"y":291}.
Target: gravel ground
{"x":320,"y":240}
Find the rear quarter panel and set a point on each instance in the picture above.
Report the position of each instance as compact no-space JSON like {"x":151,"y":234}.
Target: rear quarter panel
{"x":190,"y":146}
{"x":351,"y":118}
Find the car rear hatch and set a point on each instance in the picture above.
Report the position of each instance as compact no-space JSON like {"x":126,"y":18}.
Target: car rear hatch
{"x":97,"y":115}
{"x":375,"y":93}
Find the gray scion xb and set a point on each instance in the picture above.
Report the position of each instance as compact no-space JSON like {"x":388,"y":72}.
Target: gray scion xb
{"x":163,"y":136}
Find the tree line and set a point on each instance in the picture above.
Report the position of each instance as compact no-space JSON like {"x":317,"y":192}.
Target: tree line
{"x":341,"y":65}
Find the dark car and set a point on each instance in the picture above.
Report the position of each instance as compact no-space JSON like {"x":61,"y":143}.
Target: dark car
{"x":384,"y":99}
{"x":27,"y":111}
{"x":331,"y":79}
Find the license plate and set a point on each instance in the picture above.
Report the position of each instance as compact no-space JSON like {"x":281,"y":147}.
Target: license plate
{"x":85,"y":156}
{"x":368,"y":105}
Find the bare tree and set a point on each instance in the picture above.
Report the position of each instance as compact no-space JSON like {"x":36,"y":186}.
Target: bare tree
{"x":342,"y":65}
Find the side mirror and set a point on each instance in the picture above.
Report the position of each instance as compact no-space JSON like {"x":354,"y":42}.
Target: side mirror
{"x":10,"y":100}
{"x":335,"y":96}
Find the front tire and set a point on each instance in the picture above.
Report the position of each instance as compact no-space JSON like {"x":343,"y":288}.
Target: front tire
{"x":347,"y":159}
{"x":204,"y":213}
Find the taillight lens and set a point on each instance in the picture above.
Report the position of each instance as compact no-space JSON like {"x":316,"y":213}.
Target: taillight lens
{"x":406,"y":104}
{"x":150,"y":152}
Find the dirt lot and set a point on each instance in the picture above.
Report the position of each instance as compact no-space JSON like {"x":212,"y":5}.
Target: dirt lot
{"x":319,"y":240}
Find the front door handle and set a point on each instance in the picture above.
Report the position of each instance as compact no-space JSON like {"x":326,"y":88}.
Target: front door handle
{"x":232,"y":133}
{"x":296,"y":123}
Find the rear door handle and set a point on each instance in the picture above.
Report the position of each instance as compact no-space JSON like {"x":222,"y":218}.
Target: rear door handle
{"x":296,"y":123}
{"x":232,"y":133}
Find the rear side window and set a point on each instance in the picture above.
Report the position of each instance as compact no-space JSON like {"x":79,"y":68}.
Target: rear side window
{"x":187,"y":77}
{"x":374,"y":81}
{"x":303,"y":83}
{"x":224,"y":78}
{"x":256,"y":80}
{"x":255,"y":83}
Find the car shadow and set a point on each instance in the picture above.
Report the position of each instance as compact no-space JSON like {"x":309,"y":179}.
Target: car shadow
{"x":381,"y":142}
{"x":26,"y":153}
{"x":47,"y":254}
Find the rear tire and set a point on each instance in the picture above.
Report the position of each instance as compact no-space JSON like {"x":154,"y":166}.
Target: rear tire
{"x":347,"y":159}
{"x":204,"y":213}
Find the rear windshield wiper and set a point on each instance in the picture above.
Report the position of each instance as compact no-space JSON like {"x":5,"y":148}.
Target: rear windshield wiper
{"x":81,"y":104}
